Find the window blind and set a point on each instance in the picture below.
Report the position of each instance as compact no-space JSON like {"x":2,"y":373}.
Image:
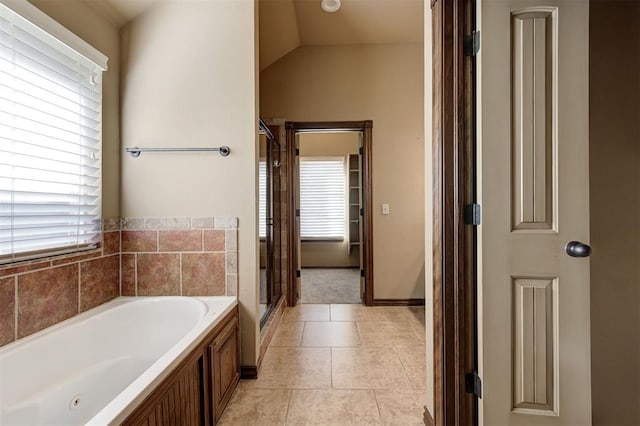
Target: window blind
{"x":50,"y":143}
{"x":262,"y":199}
{"x":322,"y":198}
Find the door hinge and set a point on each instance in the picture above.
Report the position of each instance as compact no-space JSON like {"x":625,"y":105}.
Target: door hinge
{"x":362,"y":273}
{"x":362,"y":212}
{"x":297,"y":212}
{"x":473,"y":384}
{"x":472,"y":214}
{"x":361,"y":151}
{"x":298,"y":151}
{"x":298,"y":273}
{"x":472,"y":44}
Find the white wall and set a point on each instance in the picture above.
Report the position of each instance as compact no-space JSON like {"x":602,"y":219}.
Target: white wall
{"x":189,"y":79}
{"x":383,"y":83}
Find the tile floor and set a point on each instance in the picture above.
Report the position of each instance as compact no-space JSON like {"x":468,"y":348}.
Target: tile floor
{"x":338,"y":365}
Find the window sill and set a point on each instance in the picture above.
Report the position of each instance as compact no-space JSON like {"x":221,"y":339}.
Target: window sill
{"x":49,"y":260}
{"x":322,"y":240}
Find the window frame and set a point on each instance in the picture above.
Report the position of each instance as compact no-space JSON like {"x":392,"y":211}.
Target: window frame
{"x":56,"y":41}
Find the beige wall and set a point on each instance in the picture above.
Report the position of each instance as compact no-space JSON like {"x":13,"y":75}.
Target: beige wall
{"x":189,"y":79}
{"x":82,"y":20}
{"x":615,"y":210}
{"x":329,"y":144}
{"x":383,"y":83}
{"x":278,"y":30}
{"x":329,"y":253}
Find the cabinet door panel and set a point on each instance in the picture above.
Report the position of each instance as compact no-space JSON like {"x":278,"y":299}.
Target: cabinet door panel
{"x":224,"y":355}
{"x":177,"y":402}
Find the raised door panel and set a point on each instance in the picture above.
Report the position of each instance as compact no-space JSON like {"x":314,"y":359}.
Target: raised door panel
{"x":534,"y":118}
{"x":535,"y":312}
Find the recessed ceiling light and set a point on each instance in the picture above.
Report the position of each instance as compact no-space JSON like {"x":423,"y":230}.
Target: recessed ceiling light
{"x":330,"y":5}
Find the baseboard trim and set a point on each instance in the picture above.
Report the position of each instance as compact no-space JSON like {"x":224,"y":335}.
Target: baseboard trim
{"x":398,"y":302}
{"x":428,"y":419}
{"x":330,"y":267}
{"x":248,"y":372}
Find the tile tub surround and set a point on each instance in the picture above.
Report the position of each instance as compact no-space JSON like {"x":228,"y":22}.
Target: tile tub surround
{"x":40,"y":293}
{"x":189,"y":256}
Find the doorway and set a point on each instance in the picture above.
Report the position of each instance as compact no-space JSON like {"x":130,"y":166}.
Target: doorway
{"x":329,"y":194}
{"x":330,"y":203}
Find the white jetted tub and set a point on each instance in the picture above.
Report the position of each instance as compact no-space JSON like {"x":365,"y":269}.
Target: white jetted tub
{"x":98,"y":366}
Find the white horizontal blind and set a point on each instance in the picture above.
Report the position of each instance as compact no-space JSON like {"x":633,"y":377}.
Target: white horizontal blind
{"x":322,"y":198}
{"x":262,"y":199}
{"x":50,"y":143}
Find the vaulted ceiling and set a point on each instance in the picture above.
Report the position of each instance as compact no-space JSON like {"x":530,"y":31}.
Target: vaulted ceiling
{"x":119,"y":12}
{"x":287,"y":24}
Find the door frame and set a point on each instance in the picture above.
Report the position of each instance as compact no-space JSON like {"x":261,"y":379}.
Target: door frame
{"x":292,"y":129}
{"x":455,"y":277}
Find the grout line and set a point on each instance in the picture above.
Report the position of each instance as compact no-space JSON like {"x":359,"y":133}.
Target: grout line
{"x":15,"y":310}
{"x":135,"y":274}
{"x":286,"y":414}
{"x":258,"y":387}
{"x":120,"y":263}
{"x":375,"y":397}
{"x":405,"y":368}
{"x":79,"y":287}
{"x":331,"y":366}
{"x":180,"y":266}
{"x":304,"y":327}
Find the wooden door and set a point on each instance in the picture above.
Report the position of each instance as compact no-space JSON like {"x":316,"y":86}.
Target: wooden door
{"x":535,"y":343}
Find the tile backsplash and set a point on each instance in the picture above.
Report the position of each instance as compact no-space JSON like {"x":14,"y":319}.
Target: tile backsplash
{"x":137,"y":257}
{"x":40,"y":293}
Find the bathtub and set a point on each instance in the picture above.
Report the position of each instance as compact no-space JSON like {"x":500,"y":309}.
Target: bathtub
{"x":96,"y":367}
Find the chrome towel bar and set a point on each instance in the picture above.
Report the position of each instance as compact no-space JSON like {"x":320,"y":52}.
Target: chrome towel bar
{"x":135,"y":151}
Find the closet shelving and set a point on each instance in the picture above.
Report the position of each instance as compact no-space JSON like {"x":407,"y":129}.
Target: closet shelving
{"x":354,"y":201}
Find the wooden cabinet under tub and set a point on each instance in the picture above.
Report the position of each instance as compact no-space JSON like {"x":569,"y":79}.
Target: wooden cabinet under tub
{"x":224,"y":358}
{"x":198,"y":390}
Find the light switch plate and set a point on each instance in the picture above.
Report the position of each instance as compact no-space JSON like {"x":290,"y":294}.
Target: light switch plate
{"x":385,"y":208}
